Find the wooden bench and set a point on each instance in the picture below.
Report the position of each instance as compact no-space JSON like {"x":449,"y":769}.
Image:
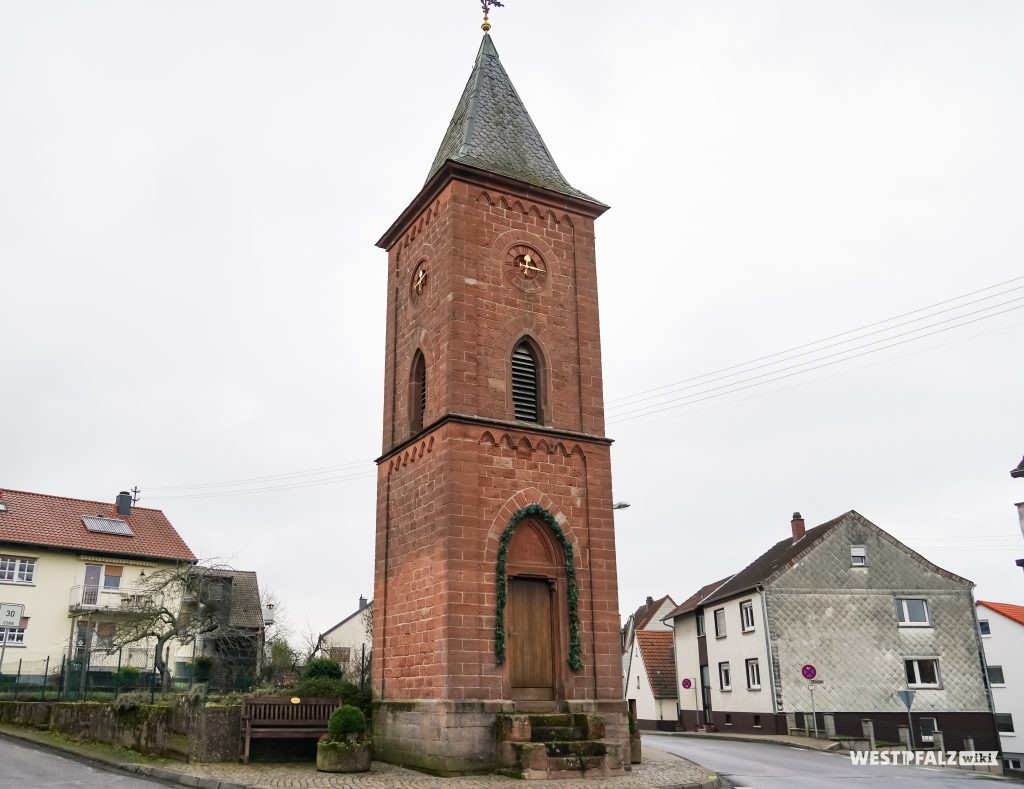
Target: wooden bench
{"x":273,"y":717}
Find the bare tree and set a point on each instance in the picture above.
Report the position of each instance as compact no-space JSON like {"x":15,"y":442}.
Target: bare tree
{"x":178,"y":603}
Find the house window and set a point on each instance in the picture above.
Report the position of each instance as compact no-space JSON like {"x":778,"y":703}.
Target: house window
{"x":719,"y":623}
{"x":700,"y":624}
{"x":17,"y":570}
{"x":112,"y":576}
{"x":753,"y":674}
{"x":728,"y":719}
{"x":417,"y":393}
{"x":104,"y":635}
{"x":340,"y":654}
{"x":1004,"y":722}
{"x":747,"y":615}
{"x":928,"y":727}
{"x":1011,"y":764}
{"x":638,"y":682}
{"x":724,"y":676}
{"x":757,"y":721}
{"x":12,"y":635}
{"x":995,"y":676}
{"x":984,"y":627}
{"x":858,"y":556}
{"x":922,"y":672}
{"x":526,"y":383}
{"x":912,"y":612}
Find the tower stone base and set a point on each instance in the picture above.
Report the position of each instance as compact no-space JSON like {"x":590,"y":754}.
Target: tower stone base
{"x":471,"y":737}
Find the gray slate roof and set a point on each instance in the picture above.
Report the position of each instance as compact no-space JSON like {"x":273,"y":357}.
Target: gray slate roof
{"x":492,"y":130}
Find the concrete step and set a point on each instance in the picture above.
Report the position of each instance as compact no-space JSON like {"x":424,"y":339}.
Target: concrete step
{"x":562,"y":733}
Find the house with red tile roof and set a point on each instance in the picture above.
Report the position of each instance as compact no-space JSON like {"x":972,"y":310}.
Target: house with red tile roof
{"x":648,"y":681}
{"x":1001,"y":626}
{"x":69,"y":567}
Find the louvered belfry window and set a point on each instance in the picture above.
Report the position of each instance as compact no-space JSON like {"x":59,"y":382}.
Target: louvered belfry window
{"x":418,"y":393}
{"x":526,"y":383}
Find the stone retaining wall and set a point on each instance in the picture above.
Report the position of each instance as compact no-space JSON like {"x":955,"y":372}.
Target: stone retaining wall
{"x":187,"y":732}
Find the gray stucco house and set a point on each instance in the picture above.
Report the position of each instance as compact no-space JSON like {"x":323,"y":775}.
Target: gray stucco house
{"x":868,"y":615}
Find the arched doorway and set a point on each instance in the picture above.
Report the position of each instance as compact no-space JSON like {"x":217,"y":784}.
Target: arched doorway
{"x":535,"y":572}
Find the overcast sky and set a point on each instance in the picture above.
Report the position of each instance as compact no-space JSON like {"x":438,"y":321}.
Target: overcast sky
{"x":190,"y":193}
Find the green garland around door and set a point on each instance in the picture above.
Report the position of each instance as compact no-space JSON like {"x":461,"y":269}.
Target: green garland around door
{"x":536,"y":511}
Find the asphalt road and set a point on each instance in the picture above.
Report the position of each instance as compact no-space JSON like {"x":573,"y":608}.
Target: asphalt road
{"x":769,"y":766}
{"x":30,"y":768}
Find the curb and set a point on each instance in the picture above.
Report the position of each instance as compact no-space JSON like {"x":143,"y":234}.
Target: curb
{"x":833,"y":748}
{"x":145,"y":770}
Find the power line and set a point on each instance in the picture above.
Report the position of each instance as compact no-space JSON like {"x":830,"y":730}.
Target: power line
{"x":825,"y":339}
{"x":672,"y":388}
{"x":696,"y":397}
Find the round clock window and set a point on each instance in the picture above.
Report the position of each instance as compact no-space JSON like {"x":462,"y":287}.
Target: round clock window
{"x":525,"y":268}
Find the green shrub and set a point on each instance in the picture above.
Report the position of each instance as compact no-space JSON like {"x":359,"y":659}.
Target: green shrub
{"x":345,"y":721}
{"x":323,"y":687}
{"x":128,"y":677}
{"x":321,"y":667}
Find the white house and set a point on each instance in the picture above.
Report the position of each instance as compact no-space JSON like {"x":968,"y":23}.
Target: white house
{"x":1002,"y":635}
{"x":348,"y":642}
{"x":648,"y":669}
{"x":836,"y":618}
{"x":74,"y":567}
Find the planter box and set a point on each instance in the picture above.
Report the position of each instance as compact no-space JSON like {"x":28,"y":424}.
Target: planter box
{"x":342,"y":757}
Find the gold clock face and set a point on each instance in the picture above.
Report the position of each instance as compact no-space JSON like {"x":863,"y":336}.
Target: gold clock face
{"x":419,"y":280}
{"x":525,"y":268}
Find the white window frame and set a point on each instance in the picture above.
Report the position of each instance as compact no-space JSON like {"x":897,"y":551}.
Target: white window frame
{"x":920,"y":728}
{"x":983,"y":623}
{"x":858,"y":556}
{"x":700,"y":624}
{"x":991,"y":682}
{"x":720,"y":630}
{"x":724,"y":676}
{"x":753,"y":674}
{"x":12,"y":636}
{"x":17,"y":569}
{"x":747,"y":608}
{"x":1008,"y":716}
{"x":903,"y":612}
{"x":916,"y":661}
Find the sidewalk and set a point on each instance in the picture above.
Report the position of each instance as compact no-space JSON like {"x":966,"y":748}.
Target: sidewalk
{"x":659,"y":769}
{"x":778,"y":739}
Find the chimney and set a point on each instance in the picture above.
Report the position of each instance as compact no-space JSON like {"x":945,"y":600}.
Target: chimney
{"x":124,"y":503}
{"x":362,"y":602}
{"x":798,"y":526}
{"x":650,"y":601}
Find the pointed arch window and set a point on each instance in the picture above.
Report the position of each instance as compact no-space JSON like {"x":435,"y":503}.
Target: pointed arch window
{"x":526,"y":382}
{"x":418,"y":393}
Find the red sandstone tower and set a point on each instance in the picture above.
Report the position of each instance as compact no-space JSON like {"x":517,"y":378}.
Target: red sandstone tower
{"x":495,"y":588}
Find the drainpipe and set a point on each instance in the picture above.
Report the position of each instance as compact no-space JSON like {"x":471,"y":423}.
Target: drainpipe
{"x":768,"y":644}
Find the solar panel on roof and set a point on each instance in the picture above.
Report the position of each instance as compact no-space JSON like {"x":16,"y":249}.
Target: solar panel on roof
{"x":107,"y":526}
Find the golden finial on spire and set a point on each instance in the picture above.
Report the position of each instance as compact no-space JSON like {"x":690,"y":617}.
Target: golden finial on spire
{"x":486,"y":5}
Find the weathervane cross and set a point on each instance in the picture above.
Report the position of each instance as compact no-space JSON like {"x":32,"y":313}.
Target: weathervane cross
{"x":486,"y":6}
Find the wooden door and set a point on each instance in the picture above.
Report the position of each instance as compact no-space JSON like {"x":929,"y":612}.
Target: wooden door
{"x":531,"y":656}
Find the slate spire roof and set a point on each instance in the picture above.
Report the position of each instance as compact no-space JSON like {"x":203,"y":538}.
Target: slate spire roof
{"x":492,"y":130}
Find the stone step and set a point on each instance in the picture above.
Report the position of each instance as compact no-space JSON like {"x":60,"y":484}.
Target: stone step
{"x":525,"y":707}
{"x":561,"y":720}
{"x":562,"y":733}
{"x":578,"y":749}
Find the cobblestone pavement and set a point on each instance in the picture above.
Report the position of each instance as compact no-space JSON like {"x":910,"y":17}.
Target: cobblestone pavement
{"x":659,"y":769}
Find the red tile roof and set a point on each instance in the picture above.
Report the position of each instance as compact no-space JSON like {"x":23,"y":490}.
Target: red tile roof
{"x":642,"y":615}
{"x":656,"y":650}
{"x":1010,"y":611}
{"x":55,"y":521}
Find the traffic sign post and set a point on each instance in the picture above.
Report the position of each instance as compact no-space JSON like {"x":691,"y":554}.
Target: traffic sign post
{"x":907,"y":697}
{"x":809,"y":672}
{"x":10,"y":616}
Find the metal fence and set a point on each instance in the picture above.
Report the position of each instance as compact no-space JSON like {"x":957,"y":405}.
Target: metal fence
{"x":94,"y":675}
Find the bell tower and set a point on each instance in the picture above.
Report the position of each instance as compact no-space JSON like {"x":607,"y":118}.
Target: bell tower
{"x":495,"y":587}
